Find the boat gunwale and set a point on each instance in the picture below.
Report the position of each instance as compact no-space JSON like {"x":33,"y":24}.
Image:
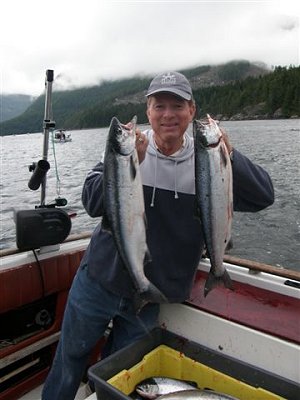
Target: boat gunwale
{"x":240,"y":262}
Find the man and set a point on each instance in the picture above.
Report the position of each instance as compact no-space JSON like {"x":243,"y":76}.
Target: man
{"x":102,"y":290}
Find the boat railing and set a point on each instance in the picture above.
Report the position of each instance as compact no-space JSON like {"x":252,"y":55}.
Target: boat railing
{"x":253,"y":266}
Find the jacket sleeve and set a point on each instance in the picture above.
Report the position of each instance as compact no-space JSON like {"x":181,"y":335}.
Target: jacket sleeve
{"x":252,"y":186}
{"x":92,"y":192}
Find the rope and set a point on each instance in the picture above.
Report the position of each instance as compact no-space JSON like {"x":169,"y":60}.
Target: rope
{"x":55,"y":164}
{"x":41,"y":272}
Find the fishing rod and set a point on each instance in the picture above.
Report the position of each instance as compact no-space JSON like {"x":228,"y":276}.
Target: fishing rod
{"x":46,"y":225}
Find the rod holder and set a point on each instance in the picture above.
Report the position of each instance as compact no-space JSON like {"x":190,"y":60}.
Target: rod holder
{"x":40,"y":170}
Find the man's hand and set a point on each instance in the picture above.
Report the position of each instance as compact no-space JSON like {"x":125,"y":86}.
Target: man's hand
{"x":141,"y":143}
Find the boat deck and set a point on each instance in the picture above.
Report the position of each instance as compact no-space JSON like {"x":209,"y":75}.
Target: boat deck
{"x":82,"y":394}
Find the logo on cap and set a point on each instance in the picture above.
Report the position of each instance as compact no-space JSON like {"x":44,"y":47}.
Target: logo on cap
{"x":168,"y":79}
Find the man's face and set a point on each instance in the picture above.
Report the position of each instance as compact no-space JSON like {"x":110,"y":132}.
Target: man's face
{"x":169,"y":115}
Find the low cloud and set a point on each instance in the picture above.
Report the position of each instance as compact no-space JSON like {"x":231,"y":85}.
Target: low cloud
{"x":101,"y":40}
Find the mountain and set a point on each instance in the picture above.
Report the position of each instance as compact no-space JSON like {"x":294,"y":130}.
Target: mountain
{"x":235,"y":90}
{"x":13,"y":105}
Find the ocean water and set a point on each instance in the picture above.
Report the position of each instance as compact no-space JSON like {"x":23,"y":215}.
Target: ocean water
{"x":271,"y":236}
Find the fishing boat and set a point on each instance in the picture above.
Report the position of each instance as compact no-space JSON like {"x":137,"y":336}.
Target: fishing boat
{"x":250,"y":335}
{"x":61,"y":136}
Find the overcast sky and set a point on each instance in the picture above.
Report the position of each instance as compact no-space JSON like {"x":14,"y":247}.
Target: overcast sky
{"x":86,"y":41}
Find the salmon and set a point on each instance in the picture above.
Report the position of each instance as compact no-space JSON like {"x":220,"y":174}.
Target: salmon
{"x":214,"y":198}
{"x":124,"y":214}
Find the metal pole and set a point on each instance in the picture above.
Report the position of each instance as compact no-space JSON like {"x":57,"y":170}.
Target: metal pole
{"x":48,"y":123}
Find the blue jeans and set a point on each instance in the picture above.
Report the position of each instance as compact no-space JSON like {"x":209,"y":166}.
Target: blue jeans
{"x":89,"y":309}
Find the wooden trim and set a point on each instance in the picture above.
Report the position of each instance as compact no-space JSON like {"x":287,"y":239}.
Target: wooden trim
{"x":71,"y":238}
{"x":260,"y":267}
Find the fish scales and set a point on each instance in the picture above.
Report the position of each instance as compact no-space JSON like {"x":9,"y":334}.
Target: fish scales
{"x":196,"y":395}
{"x":213,"y":184}
{"x":124,"y":214}
{"x":152,"y":388}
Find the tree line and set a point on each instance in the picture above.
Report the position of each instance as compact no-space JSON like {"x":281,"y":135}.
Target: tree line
{"x":275,"y":92}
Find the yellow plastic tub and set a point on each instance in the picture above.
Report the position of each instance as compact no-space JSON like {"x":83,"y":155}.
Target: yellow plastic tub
{"x":164,"y":353}
{"x":165,"y":361}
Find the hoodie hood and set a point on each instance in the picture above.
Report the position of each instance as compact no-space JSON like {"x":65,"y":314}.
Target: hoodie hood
{"x":169,"y":172}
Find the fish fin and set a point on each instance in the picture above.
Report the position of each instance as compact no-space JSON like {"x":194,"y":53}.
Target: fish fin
{"x":153,"y":294}
{"x":138,"y":303}
{"x":213,"y":281}
{"x":229,"y":245}
{"x":134,"y":122}
{"x":205,"y":253}
{"x":147,"y":257}
{"x":105,"y":225}
{"x":223,"y":152}
{"x":132,"y":168}
{"x":150,"y":295}
{"x":145,"y":220}
{"x":197,"y":214}
{"x":192,"y":383}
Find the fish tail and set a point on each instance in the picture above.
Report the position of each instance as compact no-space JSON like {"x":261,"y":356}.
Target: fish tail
{"x":138,"y":303}
{"x":213,"y":281}
{"x":150,"y":295}
{"x":153,"y":295}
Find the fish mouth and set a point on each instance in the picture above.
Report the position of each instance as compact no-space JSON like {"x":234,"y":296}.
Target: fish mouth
{"x":145,"y":394}
{"x":213,"y":145}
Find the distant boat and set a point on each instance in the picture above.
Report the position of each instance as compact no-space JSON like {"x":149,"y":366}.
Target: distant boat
{"x":61,"y":136}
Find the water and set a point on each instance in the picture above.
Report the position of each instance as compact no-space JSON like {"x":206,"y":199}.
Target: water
{"x":270,"y":236}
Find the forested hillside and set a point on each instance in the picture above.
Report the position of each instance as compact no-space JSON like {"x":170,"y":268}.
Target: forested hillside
{"x":275,"y":95}
{"x":12,"y":105}
{"x":236,"y":90}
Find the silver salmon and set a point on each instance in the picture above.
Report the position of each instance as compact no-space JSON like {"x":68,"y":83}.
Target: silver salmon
{"x":213,"y":185}
{"x":156,"y":386}
{"x":124,"y":212}
{"x":196,"y":395}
